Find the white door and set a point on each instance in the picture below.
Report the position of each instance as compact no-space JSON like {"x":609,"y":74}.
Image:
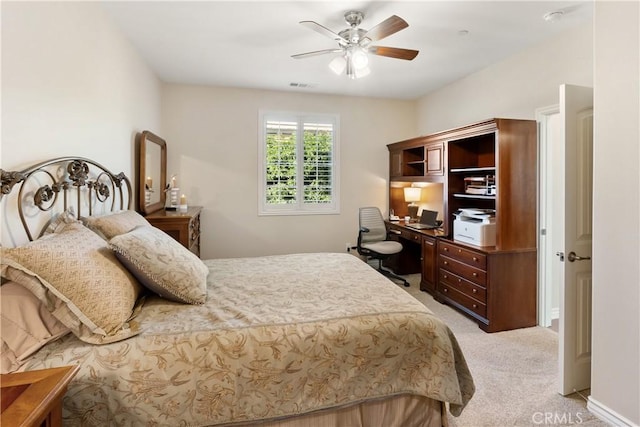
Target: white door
{"x":574,"y":238}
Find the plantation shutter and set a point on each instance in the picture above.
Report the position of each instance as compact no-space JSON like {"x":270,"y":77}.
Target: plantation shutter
{"x":281,"y":180}
{"x":299,"y":164}
{"x":318,"y":163}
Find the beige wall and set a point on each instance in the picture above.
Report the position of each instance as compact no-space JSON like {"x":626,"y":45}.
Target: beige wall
{"x":212,"y":141}
{"x":615,"y":378}
{"x":513,"y":88}
{"x":71,"y":85}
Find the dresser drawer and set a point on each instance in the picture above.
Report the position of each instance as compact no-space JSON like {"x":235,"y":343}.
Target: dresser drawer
{"x":405,"y":234}
{"x":466,"y":287}
{"x":472,"y":304}
{"x":465,"y":271}
{"x":467,"y":256}
{"x":409,"y":235}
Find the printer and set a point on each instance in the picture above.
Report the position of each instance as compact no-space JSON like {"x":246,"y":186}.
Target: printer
{"x":475,"y":226}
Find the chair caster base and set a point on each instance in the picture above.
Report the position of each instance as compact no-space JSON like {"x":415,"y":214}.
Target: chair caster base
{"x":391,"y":275}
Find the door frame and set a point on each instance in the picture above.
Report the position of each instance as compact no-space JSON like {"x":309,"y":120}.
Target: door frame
{"x":545,"y":248}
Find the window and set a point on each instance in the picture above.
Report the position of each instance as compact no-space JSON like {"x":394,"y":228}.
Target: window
{"x":298,"y":155}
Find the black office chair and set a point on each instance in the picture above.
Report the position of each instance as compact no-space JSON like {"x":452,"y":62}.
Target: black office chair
{"x":372,"y":240}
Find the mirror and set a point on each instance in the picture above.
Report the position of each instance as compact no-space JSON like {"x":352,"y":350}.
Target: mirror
{"x":152,"y":172}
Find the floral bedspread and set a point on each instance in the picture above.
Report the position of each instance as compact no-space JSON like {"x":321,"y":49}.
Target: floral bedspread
{"x":279,"y":336}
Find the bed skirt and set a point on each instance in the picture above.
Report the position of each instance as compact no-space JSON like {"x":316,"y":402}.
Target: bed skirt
{"x":397,"y":411}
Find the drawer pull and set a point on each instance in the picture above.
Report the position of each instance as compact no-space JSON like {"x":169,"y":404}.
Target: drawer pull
{"x":474,"y":305}
{"x":445,"y":276}
{"x":475,"y":258}
{"x":415,"y":237}
{"x":475,"y":291}
{"x":446,"y":290}
{"x":445,"y":262}
{"x":459,"y":280}
{"x":445,"y":249}
{"x":459,"y":251}
{"x":475,"y":274}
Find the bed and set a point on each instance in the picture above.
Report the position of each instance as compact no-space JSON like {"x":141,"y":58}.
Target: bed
{"x":317,"y":339}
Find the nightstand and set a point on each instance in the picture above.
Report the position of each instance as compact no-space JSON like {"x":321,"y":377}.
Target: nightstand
{"x":34,"y":398}
{"x":182,"y":226}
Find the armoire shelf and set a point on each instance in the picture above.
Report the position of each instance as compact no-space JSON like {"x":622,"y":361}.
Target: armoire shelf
{"x":473,"y":170}
{"x":473,"y":196}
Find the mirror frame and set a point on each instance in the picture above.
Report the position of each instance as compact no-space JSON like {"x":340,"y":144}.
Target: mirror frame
{"x":148,"y":137}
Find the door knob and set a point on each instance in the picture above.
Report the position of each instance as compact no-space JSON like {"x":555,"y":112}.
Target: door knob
{"x":573,"y":257}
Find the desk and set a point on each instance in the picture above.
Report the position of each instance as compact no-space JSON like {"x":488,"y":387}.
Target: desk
{"x":419,"y":253}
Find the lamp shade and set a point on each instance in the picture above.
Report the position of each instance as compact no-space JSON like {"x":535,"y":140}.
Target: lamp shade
{"x":412,"y":194}
{"x":338,"y":64}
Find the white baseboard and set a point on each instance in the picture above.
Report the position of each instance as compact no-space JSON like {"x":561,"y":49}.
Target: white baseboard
{"x":607,"y":415}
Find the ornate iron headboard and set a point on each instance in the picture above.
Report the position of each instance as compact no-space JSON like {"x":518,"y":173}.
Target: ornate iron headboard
{"x":42,"y":186}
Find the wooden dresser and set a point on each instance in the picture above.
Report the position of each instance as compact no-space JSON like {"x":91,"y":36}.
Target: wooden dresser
{"x":182,"y":226}
{"x":496,"y":288}
{"x":34,"y":398}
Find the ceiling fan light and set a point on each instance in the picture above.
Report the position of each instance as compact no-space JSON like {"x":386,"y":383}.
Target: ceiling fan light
{"x":362,"y":72}
{"x":360,"y":59}
{"x":338,"y":64}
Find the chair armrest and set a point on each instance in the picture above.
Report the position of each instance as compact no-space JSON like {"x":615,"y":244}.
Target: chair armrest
{"x":364,"y":229}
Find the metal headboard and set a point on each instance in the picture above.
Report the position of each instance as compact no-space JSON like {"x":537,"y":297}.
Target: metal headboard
{"x":50,"y":186}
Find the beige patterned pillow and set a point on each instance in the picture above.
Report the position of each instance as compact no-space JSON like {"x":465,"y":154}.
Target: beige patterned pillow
{"x":114,"y":224}
{"x":80,"y":281}
{"x":162,"y":264}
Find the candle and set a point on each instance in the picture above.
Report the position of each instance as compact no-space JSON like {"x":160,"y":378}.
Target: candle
{"x":183,"y":200}
{"x":149,"y":182}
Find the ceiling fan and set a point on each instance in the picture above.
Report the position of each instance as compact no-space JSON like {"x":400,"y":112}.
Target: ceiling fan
{"x":354,"y":43}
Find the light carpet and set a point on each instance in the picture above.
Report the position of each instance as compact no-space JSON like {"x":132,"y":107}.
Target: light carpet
{"x":515,"y":373}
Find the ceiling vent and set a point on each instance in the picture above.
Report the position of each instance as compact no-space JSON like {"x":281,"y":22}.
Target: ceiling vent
{"x":302,"y":85}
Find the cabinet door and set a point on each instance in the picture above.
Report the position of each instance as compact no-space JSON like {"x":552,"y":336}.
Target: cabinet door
{"x":429,"y":268}
{"x":395,"y":163}
{"x":434,"y":154}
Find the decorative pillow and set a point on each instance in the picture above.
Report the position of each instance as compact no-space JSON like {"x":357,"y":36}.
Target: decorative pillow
{"x":114,"y":224}
{"x":162,"y":264}
{"x":79,"y":280}
{"x":26,"y":325}
{"x":60,"y":221}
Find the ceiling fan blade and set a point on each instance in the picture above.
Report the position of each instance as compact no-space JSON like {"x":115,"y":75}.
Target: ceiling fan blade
{"x":393,"y":52}
{"x":387,"y":27}
{"x":315,"y":53}
{"x":324,"y":31}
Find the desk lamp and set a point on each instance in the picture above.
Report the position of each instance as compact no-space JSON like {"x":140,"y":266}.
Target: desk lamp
{"x":411,"y":195}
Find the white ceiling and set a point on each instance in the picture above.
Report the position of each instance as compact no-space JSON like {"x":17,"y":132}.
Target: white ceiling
{"x":249,"y":43}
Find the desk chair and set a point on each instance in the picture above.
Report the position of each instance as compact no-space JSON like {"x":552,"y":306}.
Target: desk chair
{"x":372,"y":240}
